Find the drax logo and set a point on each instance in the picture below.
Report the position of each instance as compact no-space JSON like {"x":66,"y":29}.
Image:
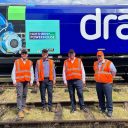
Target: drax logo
{"x":106,"y":27}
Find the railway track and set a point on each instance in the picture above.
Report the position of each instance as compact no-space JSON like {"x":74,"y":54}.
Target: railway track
{"x":62,"y":103}
{"x":67,"y":124}
{"x":90,"y":120}
{"x":61,"y":117}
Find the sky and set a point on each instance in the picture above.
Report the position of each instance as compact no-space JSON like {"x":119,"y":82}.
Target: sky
{"x":86,"y":2}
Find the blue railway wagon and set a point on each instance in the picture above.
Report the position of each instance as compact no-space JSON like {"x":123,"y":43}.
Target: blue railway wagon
{"x":58,"y":28}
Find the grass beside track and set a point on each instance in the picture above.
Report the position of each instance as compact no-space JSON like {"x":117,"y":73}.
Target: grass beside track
{"x":59,"y":94}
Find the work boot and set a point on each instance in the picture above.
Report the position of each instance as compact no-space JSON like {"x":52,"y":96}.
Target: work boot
{"x":44,"y":109}
{"x":50,"y":109}
{"x":25,"y":110}
{"x":102,"y":111}
{"x":72,"y":110}
{"x":21,"y":114}
{"x":109,"y":114}
{"x":85,"y":109}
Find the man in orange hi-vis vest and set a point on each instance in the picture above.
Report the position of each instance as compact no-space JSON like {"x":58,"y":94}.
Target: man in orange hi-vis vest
{"x":104,"y":73}
{"x":45,"y":77}
{"x":22,"y":76}
{"x":74,"y":78}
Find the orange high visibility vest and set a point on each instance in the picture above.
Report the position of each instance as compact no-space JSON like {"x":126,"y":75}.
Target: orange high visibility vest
{"x":23,"y":71}
{"x":103,"y":75}
{"x":73,"y":70}
{"x":40,"y":69}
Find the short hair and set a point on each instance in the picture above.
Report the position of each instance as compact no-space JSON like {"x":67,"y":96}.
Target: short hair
{"x":24,"y":51}
{"x":71,"y":51}
{"x":44,"y":51}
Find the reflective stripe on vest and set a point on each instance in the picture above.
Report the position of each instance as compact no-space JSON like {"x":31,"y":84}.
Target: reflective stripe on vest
{"x":74,"y":74}
{"x":23,"y":76}
{"x":103,"y":75}
{"x":23,"y":71}
{"x":40,"y":69}
{"x":73,"y":70}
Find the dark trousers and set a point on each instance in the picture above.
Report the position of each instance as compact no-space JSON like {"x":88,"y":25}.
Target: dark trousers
{"x":22,"y":90}
{"x":46,"y":84}
{"x":78,"y":85}
{"x":104,"y":91}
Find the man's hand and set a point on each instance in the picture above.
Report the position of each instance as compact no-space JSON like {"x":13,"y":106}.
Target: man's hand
{"x":84,"y":83}
{"x":65,"y":84}
{"x":31,"y":84}
{"x":54,"y":82}
{"x":38,"y":83}
{"x":14,"y":83}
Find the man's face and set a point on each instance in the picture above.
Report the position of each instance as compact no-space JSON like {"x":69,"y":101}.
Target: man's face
{"x":24,"y":56}
{"x":71,"y":55}
{"x":100,"y":58}
{"x":44,"y":55}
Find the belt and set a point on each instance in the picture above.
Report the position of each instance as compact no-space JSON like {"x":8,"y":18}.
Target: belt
{"x":46,"y":78}
{"x":74,"y":79}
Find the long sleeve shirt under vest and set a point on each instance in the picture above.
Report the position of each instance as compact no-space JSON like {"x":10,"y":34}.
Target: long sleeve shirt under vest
{"x":46,"y":70}
{"x":13,"y":75}
{"x":83,"y":72}
{"x":112,"y":67}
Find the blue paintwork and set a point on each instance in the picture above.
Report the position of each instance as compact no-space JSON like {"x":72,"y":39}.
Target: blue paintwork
{"x":70,"y":37}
